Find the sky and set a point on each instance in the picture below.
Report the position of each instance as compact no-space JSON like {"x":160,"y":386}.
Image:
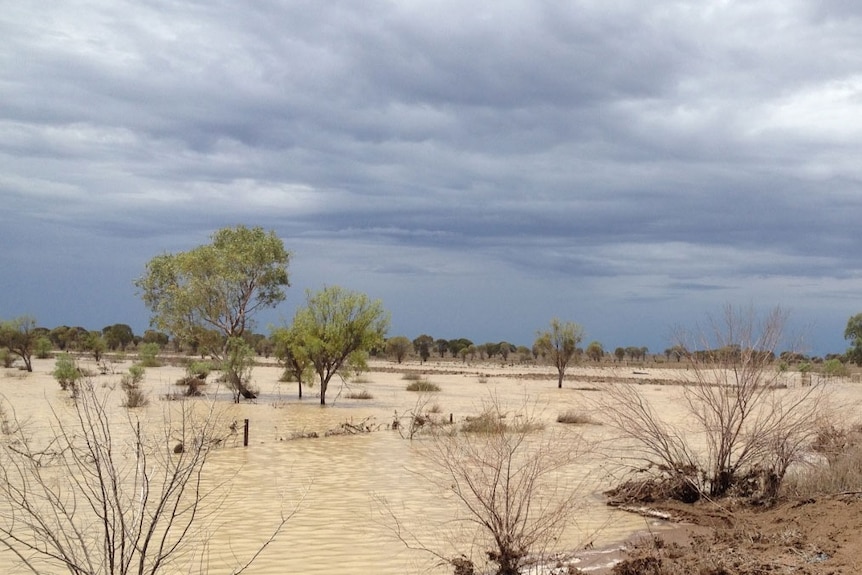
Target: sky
{"x":481,"y":167}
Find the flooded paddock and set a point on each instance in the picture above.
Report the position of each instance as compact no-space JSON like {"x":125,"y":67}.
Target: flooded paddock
{"x":337,"y":484}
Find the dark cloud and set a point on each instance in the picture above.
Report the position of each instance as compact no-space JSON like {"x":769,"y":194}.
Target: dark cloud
{"x":549,"y":159}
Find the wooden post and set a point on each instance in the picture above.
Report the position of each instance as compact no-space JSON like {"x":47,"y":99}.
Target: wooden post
{"x":245,"y":434}
{"x":450,"y":418}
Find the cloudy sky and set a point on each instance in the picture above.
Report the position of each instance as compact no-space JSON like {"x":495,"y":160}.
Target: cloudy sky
{"x":479,"y":166}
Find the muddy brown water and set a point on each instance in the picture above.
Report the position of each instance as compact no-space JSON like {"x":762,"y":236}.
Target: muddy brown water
{"x":337,"y":484}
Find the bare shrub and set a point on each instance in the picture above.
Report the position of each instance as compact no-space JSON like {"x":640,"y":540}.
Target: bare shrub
{"x":100,"y":497}
{"x":362,"y":394}
{"x":741,"y":426}
{"x":510,"y":489}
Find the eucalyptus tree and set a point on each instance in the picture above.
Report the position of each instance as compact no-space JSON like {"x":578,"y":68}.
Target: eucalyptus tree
{"x":559,"y":344}
{"x":218,"y":286}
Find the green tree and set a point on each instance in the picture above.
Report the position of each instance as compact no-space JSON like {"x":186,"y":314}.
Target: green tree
{"x":457,"y":345}
{"x":853,"y":333}
{"x":118,"y":336}
{"x":620,"y":353}
{"x":422,"y":346}
{"x":441,"y":346}
{"x":398,"y":347}
{"x":96,"y":344}
{"x":289,"y":351}
{"x":19,"y":336}
{"x":595,"y":351}
{"x":559,"y":344}
{"x":219,"y":286}
{"x":43,"y":347}
{"x":334,"y":326}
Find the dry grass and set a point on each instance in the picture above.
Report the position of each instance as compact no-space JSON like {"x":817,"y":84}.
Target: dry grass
{"x":491,"y":422}
{"x":422,"y":385}
{"x":573,"y":417}
{"x":362,"y":394}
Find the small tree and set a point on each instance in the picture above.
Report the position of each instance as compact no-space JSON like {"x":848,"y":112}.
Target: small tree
{"x":853,"y":333}
{"x":398,"y":347}
{"x":559,"y":344}
{"x":148,"y":354}
{"x":19,"y":336}
{"x":291,"y":354}
{"x":95,"y":344}
{"x":422,"y":346}
{"x":595,"y":351}
{"x":43,"y":347}
{"x":66,"y":372}
{"x":337,"y":326}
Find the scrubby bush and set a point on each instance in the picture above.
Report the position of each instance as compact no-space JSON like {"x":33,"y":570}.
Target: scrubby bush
{"x":43,"y":348}
{"x":422,"y":385}
{"x":66,"y":372}
{"x":834,"y":368}
{"x":6,"y":358}
{"x":148,"y":355}
{"x":363,"y":394}
{"x":134,"y":396}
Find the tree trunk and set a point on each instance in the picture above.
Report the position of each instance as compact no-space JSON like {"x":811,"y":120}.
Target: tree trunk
{"x":560,"y":381}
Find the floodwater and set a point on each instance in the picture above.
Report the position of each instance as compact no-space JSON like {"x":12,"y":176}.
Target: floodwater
{"x":347,"y":492}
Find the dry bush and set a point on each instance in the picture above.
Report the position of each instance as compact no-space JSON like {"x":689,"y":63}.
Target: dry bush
{"x":362,"y":394}
{"x":573,"y":417}
{"x":509,"y":483}
{"x":751,"y":428}
{"x":101,"y":496}
{"x":422,"y":385}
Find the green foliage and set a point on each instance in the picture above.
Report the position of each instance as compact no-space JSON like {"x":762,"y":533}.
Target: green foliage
{"x":95,"y":344}
{"x":422,"y":346}
{"x":199,"y":369}
{"x":853,"y":333}
{"x":43,"y":347}
{"x":7,"y":358}
{"x":118,"y":336}
{"x":66,"y":372}
{"x":595,"y":351}
{"x":220,"y":285}
{"x":134,"y":377}
{"x":835,"y":368}
{"x":19,"y":336}
{"x":559,"y":345}
{"x":336,"y":326}
{"x":397,"y":347}
{"x":148,"y":355}
{"x":237,"y":366}
{"x":289,"y":350}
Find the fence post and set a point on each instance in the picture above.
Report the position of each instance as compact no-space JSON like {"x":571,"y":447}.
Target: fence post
{"x":245,"y":434}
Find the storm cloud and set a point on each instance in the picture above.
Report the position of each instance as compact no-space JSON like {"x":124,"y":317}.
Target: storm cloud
{"x":481,"y":167}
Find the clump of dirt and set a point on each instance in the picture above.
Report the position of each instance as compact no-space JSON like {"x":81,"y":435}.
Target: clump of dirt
{"x":731,"y":537}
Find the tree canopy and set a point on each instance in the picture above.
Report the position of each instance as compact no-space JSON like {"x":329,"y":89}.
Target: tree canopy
{"x":559,"y":344}
{"x":337,"y":326}
{"x":218,"y":286}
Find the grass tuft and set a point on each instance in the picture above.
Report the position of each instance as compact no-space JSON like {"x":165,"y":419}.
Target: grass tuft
{"x":363,"y":394}
{"x":422,"y":385}
{"x":573,"y":417}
